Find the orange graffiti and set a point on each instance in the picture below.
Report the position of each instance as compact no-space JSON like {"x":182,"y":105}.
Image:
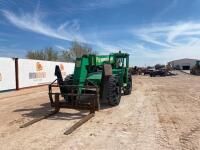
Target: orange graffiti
{"x":62,"y":68}
{"x":39,"y":66}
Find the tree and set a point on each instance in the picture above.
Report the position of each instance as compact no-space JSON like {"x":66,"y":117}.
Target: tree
{"x":149,"y":67}
{"x":45,"y":54}
{"x":65,"y":56}
{"x":159,"y":66}
{"x":50,"y":54}
{"x":76,"y":50}
{"x":35,"y":55}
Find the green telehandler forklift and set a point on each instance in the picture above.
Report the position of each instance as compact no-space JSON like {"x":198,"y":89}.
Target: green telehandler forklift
{"x":107,"y":73}
{"x":97,"y":79}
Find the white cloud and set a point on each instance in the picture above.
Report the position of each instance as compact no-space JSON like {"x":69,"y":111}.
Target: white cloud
{"x":70,"y":25}
{"x":185,"y":29}
{"x":172,"y":41}
{"x":167,"y":35}
{"x":62,"y":26}
{"x":33,"y":22}
{"x":152,"y":40}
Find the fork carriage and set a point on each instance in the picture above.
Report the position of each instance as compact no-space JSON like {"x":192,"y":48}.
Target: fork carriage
{"x":74,"y":101}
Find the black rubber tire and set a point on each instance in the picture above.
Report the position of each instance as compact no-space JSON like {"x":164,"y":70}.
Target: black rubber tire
{"x":68,"y":81}
{"x":128,"y":88}
{"x":113,"y":91}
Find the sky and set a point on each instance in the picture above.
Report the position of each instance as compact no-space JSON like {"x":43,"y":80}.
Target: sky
{"x":151,"y":31}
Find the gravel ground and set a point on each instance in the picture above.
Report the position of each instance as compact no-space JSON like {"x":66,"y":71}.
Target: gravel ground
{"x":161,"y":113}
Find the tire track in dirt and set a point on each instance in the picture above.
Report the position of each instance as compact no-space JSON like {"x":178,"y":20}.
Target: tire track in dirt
{"x":190,"y":139}
{"x":166,"y":121}
{"x":10,"y":94}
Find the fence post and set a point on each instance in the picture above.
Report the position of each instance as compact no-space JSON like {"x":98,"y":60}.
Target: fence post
{"x":17,"y":73}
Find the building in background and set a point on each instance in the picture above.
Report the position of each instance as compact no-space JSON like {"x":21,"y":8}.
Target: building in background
{"x":183,"y":64}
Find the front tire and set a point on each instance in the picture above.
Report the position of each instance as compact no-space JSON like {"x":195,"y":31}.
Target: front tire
{"x":113,"y":91}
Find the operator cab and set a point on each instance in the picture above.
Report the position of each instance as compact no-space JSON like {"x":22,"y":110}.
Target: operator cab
{"x":121,"y":60}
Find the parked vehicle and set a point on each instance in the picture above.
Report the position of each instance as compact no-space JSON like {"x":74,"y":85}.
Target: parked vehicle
{"x":155,"y":73}
{"x":148,"y":71}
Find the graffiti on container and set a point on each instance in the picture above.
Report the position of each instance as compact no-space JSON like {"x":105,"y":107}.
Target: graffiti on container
{"x":39,"y":66}
{"x":1,"y":78}
{"x":62,"y":68}
{"x":39,"y":74}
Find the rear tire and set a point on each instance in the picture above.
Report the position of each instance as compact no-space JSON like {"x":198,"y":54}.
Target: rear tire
{"x":128,"y":88}
{"x":113,"y":91}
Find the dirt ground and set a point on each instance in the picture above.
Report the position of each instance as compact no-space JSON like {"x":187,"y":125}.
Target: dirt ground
{"x":161,"y":113}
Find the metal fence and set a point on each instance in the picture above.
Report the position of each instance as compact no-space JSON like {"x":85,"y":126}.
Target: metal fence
{"x":17,"y":73}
